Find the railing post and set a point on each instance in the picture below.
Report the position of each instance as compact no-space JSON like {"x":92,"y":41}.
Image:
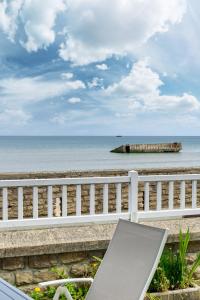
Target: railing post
{"x":133,"y":195}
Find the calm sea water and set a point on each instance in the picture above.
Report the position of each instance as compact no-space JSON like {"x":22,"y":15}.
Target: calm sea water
{"x":19,"y":154}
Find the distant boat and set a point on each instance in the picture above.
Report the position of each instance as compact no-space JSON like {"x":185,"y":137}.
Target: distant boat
{"x":118,"y":135}
{"x":149,"y":148}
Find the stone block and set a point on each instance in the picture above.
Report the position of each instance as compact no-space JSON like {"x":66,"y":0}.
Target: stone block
{"x":42,"y":261}
{"x":197,"y":274}
{"x":24,"y":277}
{"x":67,"y":258}
{"x":8,"y":276}
{"x":13,"y":263}
{"x":27,"y":289}
{"x":191,"y":258}
{"x":44,"y":275}
{"x":79,"y":270}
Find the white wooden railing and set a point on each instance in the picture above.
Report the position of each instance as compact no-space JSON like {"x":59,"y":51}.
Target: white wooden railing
{"x":171,"y":211}
{"x":132,"y":180}
{"x":50,"y":219}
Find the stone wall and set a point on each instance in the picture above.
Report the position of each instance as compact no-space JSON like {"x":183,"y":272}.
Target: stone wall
{"x":27,"y":271}
{"x":27,"y":256}
{"x":12,"y":192}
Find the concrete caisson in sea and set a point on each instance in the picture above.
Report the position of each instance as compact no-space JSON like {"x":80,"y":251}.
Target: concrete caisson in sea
{"x":149,"y":148}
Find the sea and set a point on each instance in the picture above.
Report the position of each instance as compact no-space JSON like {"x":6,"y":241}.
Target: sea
{"x":68,"y":153}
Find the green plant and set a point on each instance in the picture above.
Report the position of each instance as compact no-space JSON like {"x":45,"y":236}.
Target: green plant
{"x":78,"y":292}
{"x":94,"y":266}
{"x":47,"y":294}
{"x":172,"y":268}
{"x":159,"y":282}
{"x":173,"y":271}
{"x":151,"y":297}
{"x":187,"y":271}
{"x":60,"y":273}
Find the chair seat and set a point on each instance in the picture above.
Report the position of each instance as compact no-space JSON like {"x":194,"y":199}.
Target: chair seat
{"x":9,"y":292}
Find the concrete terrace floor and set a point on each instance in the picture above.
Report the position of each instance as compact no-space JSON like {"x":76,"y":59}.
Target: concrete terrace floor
{"x":80,"y":237}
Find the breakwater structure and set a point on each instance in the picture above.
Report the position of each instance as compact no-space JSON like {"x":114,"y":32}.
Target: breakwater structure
{"x":149,"y":148}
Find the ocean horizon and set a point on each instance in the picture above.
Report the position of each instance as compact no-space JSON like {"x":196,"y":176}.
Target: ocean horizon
{"x":73,"y":153}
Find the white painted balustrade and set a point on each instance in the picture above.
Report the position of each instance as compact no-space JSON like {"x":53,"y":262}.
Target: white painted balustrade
{"x":171,"y":210}
{"x":153,"y":185}
{"x":64,"y":218}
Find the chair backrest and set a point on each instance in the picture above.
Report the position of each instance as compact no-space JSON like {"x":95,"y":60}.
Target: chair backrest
{"x":9,"y":292}
{"x":129,"y":263}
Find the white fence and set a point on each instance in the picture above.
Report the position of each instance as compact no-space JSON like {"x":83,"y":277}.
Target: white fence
{"x":170,"y":211}
{"x":132,"y":180}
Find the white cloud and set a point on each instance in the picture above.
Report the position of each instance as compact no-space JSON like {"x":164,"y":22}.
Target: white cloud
{"x":140,"y":92}
{"x":4,"y":19}
{"x":96,"y":82}
{"x":102,"y":67}
{"x":67,"y":76}
{"x":17,"y":95}
{"x":140,"y":81}
{"x":89,"y":39}
{"x":9,"y":11}
{"x":74,"y":100}
{"x":34,"y":89}
{"x":93,"y":30}
{"x":75,"y":117}
{"x":14,"y":117}
{"x":39,"y":20}
{"x":75,"y":51}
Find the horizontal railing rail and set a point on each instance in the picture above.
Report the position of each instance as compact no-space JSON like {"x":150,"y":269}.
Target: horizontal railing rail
{"x":178,"y":177}
{"x":63,"y":181}
{"x":55,"y":201}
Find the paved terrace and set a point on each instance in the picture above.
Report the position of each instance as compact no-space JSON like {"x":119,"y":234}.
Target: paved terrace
{"x":80,"y":238}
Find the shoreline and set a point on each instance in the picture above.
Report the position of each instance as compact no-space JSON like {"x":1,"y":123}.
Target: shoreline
{"x":95,"y":172}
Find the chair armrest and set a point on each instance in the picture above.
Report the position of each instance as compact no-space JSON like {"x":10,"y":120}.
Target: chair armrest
{"x":64,"y":281}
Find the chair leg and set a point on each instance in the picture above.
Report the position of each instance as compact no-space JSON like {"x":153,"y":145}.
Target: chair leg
{"x":62,"y":290}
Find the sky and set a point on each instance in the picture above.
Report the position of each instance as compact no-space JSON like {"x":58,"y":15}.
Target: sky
{"x":99,"y":67}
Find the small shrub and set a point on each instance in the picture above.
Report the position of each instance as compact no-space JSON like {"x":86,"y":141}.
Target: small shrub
{"x":94,"y":266}
{"x":173,"y":271}
{"x":78,"y":291}
{"x":151,"y":297}
{"x":160,"y":282}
